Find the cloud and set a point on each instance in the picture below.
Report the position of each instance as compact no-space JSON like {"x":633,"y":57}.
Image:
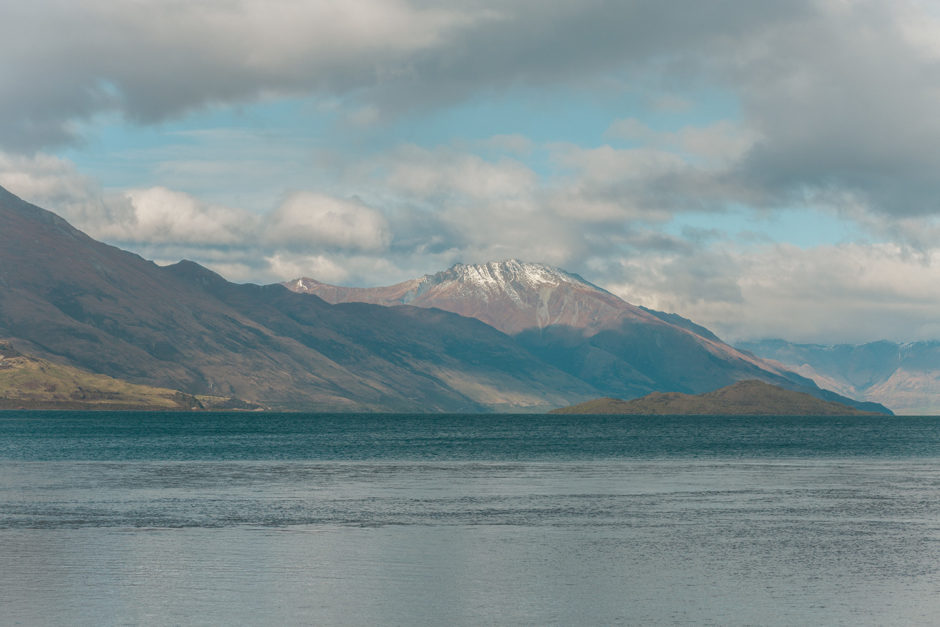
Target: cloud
{"x":168,"y":225}
{"x":165,"y":216}
{"x":66,"y":62}
{"x":443,"y":172}
{"x":321,"y":267}
{"x":308,"y":220}
{"x":646,"y":183}
{"x":835,"y":293}
{"x":54,"y":183}
{"x":833,"y":95}
{"x":417,"y":217}
{"x":150,"y":216}
{"x":845,"y":101}
{"x":721,"y":142}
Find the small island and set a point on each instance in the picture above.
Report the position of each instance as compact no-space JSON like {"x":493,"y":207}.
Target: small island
{"x":744,"y":398}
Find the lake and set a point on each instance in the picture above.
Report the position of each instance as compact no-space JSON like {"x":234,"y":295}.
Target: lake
{"x":238,"y":518}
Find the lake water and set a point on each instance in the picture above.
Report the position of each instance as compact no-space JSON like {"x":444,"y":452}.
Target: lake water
{"x":150,"y":518}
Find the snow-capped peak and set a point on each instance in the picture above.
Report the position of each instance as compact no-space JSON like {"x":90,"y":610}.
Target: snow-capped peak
{"x":303,"y":284}
{"x":508,"y":276}
{"x":516,"y":280}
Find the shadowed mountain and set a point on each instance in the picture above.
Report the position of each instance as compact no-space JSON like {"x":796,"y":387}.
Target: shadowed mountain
{"x":618,"y":348}
{"x":745,"y":398}
{"x":70,"y":299}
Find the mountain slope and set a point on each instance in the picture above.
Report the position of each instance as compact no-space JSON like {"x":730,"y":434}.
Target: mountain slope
{"x":745,"y":398}
{"x":906,"y":377}
{"x":31,"y":383}
{"x":72,"y":300}
{"x":618,"y":348}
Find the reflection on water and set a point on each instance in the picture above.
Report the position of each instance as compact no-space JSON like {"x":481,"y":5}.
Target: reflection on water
{"x":668,"y":539}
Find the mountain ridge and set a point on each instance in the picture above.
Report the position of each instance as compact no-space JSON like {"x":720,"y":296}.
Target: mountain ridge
{"x":500,"y":293}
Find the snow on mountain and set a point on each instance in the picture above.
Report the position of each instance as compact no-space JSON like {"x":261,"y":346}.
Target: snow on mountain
{"x":507,"y":277}
{"x":510,"y":295}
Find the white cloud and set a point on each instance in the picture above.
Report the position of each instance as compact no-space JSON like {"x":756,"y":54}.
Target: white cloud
{"x":645,"y":183}
{"x":849,"y":292}
{"x":321,"y":267}
{"x":308,"y":220}
{"x":721,"y":142}
{"x":54,"y":183}
{"x":442,"y":172}
{"x":162,"y":215}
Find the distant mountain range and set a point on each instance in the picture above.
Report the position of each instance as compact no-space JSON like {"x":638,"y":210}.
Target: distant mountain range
{"x":905,"y":377}
{"x":744,"y":398}
{"x":527,"y":337}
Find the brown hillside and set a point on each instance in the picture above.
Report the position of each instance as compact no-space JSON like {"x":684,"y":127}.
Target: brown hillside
{"x":745,"y":398}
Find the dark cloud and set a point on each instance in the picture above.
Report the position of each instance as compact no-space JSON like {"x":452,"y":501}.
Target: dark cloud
{"x":846,"y":101}
{"x":151,"y":60}
{"x":841,"y":94}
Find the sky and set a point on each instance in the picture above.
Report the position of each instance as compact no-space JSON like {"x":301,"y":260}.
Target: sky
{"x":767,"y":169}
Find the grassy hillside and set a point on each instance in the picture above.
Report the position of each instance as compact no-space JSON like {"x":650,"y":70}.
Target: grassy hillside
{"x":32,"y":383}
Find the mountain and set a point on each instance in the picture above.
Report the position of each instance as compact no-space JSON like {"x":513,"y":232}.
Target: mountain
{"x":906,"y":377}
{"x":510,"y":295}
{"x":745,"y":398}
{"x":71,"y":300}
{"x":618,"y":348}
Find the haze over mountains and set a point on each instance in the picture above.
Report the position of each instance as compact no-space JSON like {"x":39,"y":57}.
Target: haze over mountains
{"x":555,"y":340}
{"x":905,"y":377}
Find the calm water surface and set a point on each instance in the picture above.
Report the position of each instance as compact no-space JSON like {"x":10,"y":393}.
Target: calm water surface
{"x":130,"y":518}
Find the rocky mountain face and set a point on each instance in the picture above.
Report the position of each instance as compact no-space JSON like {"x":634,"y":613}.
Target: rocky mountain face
{"x":618,"y":348}
{"x":72,"y":300}
{"x":905,"y":377}
{"x":511,"y":296}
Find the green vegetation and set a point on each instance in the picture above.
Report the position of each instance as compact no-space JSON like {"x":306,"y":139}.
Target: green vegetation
{"x":744,"y":398}
{"x":33,"y":383}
